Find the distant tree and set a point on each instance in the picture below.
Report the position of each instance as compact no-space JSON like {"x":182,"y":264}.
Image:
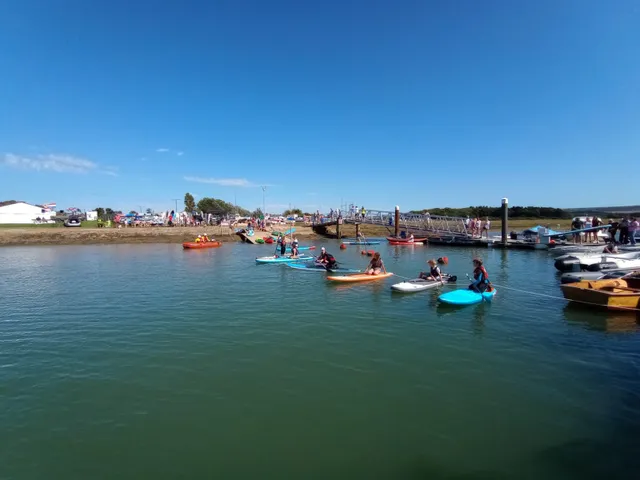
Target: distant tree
{"x":99,"y":212}
{"x":257,"y":213}
{"x":293,"y":211}
{"x":108,"y":212}
{"x":61,"y":212}
{"x":149,"y":212}
{"x":133,"y":212}
{"x":189,"y":202}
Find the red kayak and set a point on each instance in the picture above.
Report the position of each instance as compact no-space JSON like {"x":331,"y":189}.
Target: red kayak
{"x":268,"y":240}
{"x":212,"y":244}
{"x":400,"y":240}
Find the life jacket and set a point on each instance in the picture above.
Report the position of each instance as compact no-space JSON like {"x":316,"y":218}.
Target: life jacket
{"x":481,"y":270}
{"x":435,"y":272}
{"x":330,"y":258}
{"x":198,"y":240}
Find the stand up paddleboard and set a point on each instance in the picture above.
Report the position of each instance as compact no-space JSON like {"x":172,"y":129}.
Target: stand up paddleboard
{"x":466,"y":297}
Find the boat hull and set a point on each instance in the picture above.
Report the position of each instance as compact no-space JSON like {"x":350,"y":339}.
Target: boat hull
{"x":199,"y":245}
{"x":406,"y":240}
{"x":614,"y":294}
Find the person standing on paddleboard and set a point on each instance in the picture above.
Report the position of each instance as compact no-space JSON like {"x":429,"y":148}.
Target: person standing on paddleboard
{"x":480,"y":277}
{"x":376,"y":265}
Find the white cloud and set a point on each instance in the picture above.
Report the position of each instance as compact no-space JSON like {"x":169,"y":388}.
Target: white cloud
{"x":55,"y":163}
{"x":162,"y":150}
{"x":224,"y":182}
{"x":180,"y":154}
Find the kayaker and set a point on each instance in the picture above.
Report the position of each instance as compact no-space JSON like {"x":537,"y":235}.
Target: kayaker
{"x":434,"y":272}
{"x":283,"y":246}
{"x":205,"y":238}
{"x":411,"y":238}
{"x":376,"y":265}
{"x":480,"y":277}
{"x":294,"y":250}
{"x":294,"y":243}
{"x":199,"y":239}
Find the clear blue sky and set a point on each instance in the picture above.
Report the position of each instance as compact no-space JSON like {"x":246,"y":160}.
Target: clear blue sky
{"x":417,"y":103}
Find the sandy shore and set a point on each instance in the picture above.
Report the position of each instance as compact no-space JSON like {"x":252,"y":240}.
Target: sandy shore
{"x":88,"y":236}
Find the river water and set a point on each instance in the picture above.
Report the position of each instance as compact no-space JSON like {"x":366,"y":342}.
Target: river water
{"x":147,"y":361}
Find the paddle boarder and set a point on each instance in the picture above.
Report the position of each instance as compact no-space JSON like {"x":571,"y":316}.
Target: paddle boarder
{"x":434,"y":272}
{"x":480,"y":277}
{"x":326,"y":259}
{"x":376,"y":265}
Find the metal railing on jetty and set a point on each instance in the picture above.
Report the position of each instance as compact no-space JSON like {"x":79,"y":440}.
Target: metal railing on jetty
{"x":416,"y":223}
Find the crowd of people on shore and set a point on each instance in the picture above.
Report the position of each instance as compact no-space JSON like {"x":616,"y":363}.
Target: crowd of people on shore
{"x":476,"y":227}
{"x":622,"y":232}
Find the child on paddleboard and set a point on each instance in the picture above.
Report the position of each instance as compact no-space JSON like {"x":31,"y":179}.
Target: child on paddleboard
{"x":480,"y":277}
{"x":376,"y":265}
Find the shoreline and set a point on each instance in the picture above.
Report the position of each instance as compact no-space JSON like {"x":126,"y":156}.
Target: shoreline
{"x":132,"y":235}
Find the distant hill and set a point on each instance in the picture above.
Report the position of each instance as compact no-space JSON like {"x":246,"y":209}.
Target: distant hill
{"x":621,"y":210}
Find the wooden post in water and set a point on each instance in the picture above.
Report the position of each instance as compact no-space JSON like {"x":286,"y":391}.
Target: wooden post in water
{"x":357,"y":230}
{"x":505,"y":220}
{"x":338,"y":225}
{"x":396,"y":223}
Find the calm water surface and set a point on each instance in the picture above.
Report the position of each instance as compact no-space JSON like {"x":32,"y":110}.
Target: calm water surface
{"x":151,"y":362}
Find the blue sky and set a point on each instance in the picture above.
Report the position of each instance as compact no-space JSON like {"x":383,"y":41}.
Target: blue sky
{"x":416,"y":103}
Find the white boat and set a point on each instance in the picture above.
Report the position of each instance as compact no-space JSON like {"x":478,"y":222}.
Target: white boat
{"x":420,"y":284}
{"x":598,"y":261}
{"x":574,"y":277}
{"x":589,"y":249}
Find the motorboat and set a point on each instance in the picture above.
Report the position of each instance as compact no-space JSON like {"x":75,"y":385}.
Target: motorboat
{"x":597,"y":261}
{"x":573,"y":277}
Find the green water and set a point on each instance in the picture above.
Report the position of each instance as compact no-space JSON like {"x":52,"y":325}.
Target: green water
{"x":151,"y":362}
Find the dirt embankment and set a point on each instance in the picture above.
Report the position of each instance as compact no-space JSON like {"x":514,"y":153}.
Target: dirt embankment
{"x":88,"y":236}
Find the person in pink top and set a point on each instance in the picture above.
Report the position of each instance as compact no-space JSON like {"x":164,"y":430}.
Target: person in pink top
{"x":634,"y":226}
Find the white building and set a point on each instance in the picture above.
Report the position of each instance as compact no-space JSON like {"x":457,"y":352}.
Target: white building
{"x":23,"y":213}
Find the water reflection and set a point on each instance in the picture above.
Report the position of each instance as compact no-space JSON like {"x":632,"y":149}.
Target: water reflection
{"x":604,"y":321}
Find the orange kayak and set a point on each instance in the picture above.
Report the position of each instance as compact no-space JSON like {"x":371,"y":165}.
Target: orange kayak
{"x":212,"y":244}
{"x":359,"y":277}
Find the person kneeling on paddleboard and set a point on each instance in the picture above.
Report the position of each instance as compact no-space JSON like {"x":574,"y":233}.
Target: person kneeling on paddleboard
{"x":480,"y":277}
{"x":327,"y":259}
{"x":376,"y":265}
{"x":433,"y":274}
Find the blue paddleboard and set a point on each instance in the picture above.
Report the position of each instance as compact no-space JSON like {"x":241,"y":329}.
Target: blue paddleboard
{"x":466,"y":297}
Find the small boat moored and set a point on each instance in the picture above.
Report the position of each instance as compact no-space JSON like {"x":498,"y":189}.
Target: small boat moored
{"x":615,"y":294}
{"x":402,"y":240}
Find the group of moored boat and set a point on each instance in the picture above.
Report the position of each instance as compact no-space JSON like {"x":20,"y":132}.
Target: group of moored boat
{"x":597,"y":277}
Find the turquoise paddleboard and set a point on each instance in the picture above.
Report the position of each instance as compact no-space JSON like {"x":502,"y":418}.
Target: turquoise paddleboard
{"x":302,"y":258}
{"x":466,"y":297}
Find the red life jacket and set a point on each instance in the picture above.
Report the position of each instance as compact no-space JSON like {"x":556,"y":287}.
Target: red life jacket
{"x":481,"y":270}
